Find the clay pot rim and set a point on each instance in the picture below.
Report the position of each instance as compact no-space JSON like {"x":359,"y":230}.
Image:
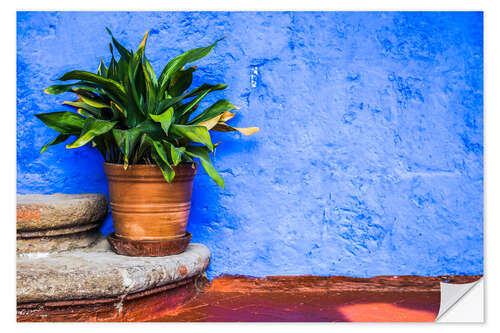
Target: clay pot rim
{"x":149,"y":166}
{"x":148,"y":172}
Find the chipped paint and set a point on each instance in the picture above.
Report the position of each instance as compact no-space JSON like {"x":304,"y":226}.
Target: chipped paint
{"x":28,"y":215}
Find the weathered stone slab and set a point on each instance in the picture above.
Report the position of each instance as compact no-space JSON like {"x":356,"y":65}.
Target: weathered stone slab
{"x":58,"y":222}
{"x":97,"y":273}
{"x":58,"y":243}
{"x":55,"y":211}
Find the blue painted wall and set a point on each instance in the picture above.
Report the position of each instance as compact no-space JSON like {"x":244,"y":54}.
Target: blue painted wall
{"x":370,"y":156}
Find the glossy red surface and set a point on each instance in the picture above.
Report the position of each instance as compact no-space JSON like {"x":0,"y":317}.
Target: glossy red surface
{"x":316,"y":299}
{"x":279,"y":306}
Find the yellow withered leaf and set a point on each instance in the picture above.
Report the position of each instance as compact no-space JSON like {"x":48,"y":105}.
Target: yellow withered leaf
{"x":226,"y":116}
{"x":209,"y":124}
{"x":143,"y":43}
{"x":223,"y":127}
{"x":247,"y":130}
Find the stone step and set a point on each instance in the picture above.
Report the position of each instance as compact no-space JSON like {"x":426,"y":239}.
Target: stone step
{"x":98,"y":273}
{"x":58,"y":222}
{"x":54,"y":211}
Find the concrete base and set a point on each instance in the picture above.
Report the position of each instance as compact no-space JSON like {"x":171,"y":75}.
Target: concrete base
{"x":95,"y":274}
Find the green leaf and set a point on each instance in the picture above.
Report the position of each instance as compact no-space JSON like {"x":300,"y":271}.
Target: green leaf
{"x":187,"y":108}
{"x":117,"y":111}
{"x":165,"y":119}
{"x":140,"y":85}
{"x":131,"y":77}
{"x":113,"y":69}
{"x":62,"y":88}
{"x":161,"y":150}
{"x":203,"y":88}
{"x":114,"y":87}
{"x":176,"y":153}
{"x":167,"y":171}
{"x":127,"y":141}
{"x":86,"y":113}
{"x":180,"y":82}
{"x":64,"y":122}
{"x":134,"y":112}
{"x":121,"y":49}
{"x":102,"y":70}
{"x":160,"y":156}
{"x":137,"y":57}
{"x":150,"y":72}
{"x":122,"y":70}
{"x":137,"y":82}
{"x":143,"y":147}
{"x":93,"y":102}
{"x":85,"y":106}
{"x":202,"y":154}
{"x":60,"y":138}
{"x":91,"y":129}
{"x":152,"y":129}
{"x":102,"y":145}
{"x":166,"y":103}
{"x":180,"y":61}
{"x":151,"y":86}
{"x":215,"y":110}
{"x":194,"y":133}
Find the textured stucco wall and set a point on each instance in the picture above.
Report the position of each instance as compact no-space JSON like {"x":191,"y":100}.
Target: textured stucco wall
{"x":370,"y":156}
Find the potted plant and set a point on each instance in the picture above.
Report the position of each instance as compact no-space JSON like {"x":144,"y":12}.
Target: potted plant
{"x":149,"y":135}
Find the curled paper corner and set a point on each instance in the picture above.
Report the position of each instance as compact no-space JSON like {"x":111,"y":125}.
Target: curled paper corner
{"x":462,"y":302}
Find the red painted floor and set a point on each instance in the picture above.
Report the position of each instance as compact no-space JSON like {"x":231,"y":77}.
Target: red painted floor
{"x":314,"y":299}
{"x":214,"y":306}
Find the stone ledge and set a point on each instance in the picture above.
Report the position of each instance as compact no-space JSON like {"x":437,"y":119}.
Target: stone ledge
{"x":58,"y":243}
{"x":97,"y":273}
{"x":41,"y":212}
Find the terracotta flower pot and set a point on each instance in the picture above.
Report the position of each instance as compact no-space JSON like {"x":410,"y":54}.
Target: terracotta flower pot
{"x":147,"y":208}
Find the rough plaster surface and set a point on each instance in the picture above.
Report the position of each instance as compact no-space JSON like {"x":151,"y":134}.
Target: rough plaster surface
{"x":370,"y":156}
{"x":100,"y":273}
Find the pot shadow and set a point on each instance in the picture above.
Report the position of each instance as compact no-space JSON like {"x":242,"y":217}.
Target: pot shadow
{"x":207,"y":210}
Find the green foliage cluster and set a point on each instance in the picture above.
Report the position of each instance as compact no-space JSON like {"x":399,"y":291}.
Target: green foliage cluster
{"x":134,"y":117}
